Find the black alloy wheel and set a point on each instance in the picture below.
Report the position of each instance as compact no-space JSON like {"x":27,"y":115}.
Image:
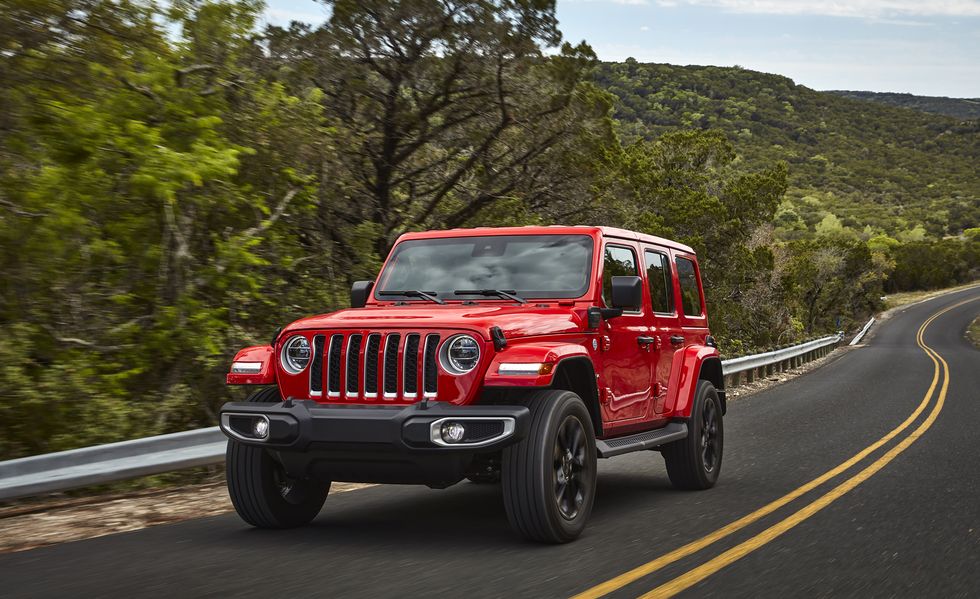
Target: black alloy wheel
{"x":710,"y":443}
{"x":549,"y":477}
{"x":694,"y":462}
{"x":573,"y":480}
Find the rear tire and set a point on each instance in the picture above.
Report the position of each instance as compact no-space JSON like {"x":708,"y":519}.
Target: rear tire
{"x":549,"y":478}
{"x":694,"y":463}
{"x":261,"y":491}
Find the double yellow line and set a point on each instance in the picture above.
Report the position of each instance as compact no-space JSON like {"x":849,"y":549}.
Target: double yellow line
{"x":739,"y":551}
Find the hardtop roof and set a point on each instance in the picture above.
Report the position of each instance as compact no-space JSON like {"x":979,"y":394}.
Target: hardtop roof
{"x":550,"y":230}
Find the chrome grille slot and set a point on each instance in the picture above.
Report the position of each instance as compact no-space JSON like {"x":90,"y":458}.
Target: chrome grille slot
{"x":410,"y":372}
{"x":390,"y":373}
{"x":316,"y":368}
{"x":430,"y":374}
{"x":371,"y":365}
{"x":353,"y":364}
{"x":333,"y":365}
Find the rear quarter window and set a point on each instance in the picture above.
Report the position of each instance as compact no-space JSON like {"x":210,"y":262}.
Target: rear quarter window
{"x":690,"y":294}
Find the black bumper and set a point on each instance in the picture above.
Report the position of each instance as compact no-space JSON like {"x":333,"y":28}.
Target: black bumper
{"x":366,"y":443}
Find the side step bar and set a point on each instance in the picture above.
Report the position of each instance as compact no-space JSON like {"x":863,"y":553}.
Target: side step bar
{"x":608,"y":448}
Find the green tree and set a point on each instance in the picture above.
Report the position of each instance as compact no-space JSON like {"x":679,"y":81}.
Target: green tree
{"x":444,"y":108}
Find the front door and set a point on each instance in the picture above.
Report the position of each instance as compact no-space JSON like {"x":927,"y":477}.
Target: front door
{"x":626,"y":381}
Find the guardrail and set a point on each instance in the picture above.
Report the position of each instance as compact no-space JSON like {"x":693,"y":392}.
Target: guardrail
{"x":777,"y":360}
{"x":37,"y":475}
{"x":862,"y":332}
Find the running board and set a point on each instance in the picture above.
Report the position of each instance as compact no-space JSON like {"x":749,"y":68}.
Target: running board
{"x":608,"y":448}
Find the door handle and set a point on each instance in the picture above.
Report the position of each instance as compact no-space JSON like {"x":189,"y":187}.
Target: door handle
{"x":676,"y":339}
{"x":646,"y":340}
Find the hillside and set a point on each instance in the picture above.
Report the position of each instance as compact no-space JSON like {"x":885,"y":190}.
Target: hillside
{"x":868,"y":164}
{"x":959,"y":108}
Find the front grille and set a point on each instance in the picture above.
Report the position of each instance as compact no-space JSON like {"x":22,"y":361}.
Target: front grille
{"x":316,"y":368}
{"x":411,"y":370}
{"x":430,"y":371}
{"x":390,"y":368}
{"x":371,"y":365}
{"x":392,"y":365}
{"x":353,"y":365}
{"x":333,"y":365}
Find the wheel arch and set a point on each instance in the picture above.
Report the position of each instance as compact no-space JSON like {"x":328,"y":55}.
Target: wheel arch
{"x":577,"y":374}
{"x":690,"y":365}
{"x":712,"y":372}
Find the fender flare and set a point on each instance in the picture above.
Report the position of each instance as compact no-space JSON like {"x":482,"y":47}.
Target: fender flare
{"x":685,"y":372}
{"x":547,"y":353}
{"x":257,"y":353}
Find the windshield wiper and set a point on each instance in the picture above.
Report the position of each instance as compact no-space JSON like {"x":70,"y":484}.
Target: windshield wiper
{"x":507,"y":294}
{"x":428,"y":295}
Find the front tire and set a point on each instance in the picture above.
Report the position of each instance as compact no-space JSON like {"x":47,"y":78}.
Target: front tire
{"x":694,"y":463}
{"x":549,"y":478}
{"x":261,"y":491}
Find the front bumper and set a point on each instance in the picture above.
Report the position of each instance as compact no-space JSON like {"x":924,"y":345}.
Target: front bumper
{"x":369,"y":443}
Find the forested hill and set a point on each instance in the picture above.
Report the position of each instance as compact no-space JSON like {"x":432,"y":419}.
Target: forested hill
{"x":960,"y":108}
{"x":866,"y":163}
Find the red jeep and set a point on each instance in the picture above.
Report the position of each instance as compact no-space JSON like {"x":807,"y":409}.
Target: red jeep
{"x":518,"y":355}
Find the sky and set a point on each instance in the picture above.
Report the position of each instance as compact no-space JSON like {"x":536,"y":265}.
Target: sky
{"x":921,"y":47}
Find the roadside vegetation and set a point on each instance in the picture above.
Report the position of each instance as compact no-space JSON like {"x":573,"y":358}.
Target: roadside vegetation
{"x":895,"y":300}
{"x":176,"y":182}
{"x":973,"y":333}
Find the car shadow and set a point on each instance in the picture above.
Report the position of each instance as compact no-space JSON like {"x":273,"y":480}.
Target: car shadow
{"x":465,"y":515}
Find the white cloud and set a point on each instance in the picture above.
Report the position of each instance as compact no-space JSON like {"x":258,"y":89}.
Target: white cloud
{"x":627,"y":2}
{"x":283,"y":17}
{"x":644,"y":28}
{"x":839,"y":8}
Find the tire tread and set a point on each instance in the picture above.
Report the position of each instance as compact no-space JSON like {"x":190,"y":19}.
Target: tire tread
{"x":244,"y":474}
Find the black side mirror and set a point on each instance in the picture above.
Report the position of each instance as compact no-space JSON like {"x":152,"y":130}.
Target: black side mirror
{"x":360,"y":292}
{"x":627,"y":293}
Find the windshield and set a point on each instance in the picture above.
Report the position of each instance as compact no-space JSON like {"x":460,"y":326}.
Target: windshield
{"x":535,"y":266}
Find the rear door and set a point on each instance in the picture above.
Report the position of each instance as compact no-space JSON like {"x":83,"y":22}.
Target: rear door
{"x":665,"y":321}
{"x":690,"y":303}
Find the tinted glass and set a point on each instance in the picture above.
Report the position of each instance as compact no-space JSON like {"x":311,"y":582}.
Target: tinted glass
{"x":618,"y":262}
{"x":690,"y":296}
{"x":659,"y":279}
{"x":533,"y":266}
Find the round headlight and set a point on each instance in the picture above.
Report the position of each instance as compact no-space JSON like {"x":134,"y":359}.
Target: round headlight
{"x":460,"y":354}
{"x":296,"y":354}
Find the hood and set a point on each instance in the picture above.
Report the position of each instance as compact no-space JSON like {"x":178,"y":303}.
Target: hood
{"x":514,"y":321}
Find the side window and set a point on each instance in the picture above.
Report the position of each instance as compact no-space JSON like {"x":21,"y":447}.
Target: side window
{"x":618,"y":262}
{"x":659,"y":279}
{"x":690,"y":296}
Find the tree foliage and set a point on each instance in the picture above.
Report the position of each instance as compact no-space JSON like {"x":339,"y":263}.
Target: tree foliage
{"x":176,"y":183}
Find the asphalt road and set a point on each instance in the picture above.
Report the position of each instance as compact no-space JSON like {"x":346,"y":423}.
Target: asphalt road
{"x":908,"y":525}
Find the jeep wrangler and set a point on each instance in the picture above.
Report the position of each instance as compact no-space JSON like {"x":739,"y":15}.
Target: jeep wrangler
{"x":510,"y":355}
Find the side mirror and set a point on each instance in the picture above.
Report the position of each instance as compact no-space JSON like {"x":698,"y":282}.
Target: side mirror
{"x":360,"y":292}
{"x":627,"y":293}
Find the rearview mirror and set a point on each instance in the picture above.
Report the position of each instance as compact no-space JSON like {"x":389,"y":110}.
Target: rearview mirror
{"x":359,"y":293}
{"x":627,"y":293}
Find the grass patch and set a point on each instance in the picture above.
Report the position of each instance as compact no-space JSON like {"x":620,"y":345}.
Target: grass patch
{"x":973,"y":332}
{"x":910,"y":297}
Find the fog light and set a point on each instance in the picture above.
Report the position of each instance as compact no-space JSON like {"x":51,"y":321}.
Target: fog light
{"x":452,"y":432}
{"x":261,"y":428}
